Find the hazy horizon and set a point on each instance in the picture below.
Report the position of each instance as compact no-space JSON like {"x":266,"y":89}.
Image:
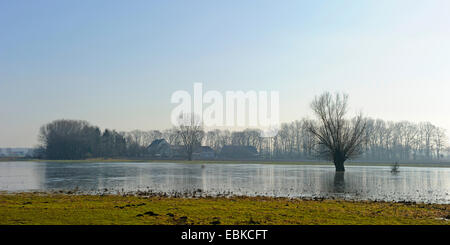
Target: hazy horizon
{"x":116,"y":64}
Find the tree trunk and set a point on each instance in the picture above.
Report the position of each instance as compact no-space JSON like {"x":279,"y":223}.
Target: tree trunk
{"x":339,"y":164}
{"x":189,"y":152}
{"x":339,"y":160}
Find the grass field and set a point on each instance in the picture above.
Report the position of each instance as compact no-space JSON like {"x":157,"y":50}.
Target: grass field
{"x":94,"y":160}
{"x":62,"y":209}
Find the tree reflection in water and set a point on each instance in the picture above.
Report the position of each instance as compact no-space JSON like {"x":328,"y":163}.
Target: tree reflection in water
{"x":339,"y":182}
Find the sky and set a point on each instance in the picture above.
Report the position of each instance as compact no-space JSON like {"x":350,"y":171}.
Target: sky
{"x":117,"y":63}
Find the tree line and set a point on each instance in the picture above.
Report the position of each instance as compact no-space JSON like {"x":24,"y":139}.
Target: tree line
{"x":329,"y":136}
{"x":75,"y":139}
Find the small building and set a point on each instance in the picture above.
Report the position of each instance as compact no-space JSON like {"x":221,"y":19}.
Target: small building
{"x":16,"y":152}
{"x":204,"y":153}
{"x":239,"y":152}
{"x":160,"y":148}
{"x":178,"y":152}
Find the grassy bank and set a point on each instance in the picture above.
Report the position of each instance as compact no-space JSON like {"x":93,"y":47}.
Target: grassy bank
{"x":319,"y":163}
{"x":50,"y":209}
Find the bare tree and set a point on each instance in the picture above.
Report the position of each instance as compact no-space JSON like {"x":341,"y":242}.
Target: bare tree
{"x":191,"y":132}
{"x":172,"y":136}
{"x":439,"y":141}
{"x":428,"y":130}
{"x":339,"y":139}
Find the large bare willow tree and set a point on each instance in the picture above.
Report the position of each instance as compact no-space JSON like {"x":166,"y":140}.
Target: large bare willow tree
{"x":339,"y":139}
{"x":190,"y":130}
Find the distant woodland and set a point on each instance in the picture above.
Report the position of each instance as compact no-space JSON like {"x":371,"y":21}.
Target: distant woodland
{"x":329,"y":136}
{"x":383,"y":141}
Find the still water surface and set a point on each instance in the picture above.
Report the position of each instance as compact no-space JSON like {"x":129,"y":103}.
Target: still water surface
{"x":430,"y":185}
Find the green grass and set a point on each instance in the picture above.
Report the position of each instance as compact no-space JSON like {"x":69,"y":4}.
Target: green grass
{"x":61,"y":209}
{"x":96,"y":160}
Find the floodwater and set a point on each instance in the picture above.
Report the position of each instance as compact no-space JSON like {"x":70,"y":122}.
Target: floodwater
{"x":415,"y":184}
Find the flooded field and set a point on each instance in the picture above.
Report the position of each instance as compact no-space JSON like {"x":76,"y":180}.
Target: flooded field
{"x":416,"y":184}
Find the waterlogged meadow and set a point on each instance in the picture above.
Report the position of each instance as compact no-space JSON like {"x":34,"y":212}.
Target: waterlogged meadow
{"x":410,"y":184}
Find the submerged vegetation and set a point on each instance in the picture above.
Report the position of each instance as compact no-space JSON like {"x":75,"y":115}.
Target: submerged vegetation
{"x":395,"y":168}
{"x":54,"y":209}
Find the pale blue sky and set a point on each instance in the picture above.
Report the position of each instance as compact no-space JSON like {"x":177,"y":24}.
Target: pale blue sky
{"x":116,"y":63}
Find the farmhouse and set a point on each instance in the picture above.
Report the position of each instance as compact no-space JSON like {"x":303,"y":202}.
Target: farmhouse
{"x":204,"y":153}
{"x":239,"y":152}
